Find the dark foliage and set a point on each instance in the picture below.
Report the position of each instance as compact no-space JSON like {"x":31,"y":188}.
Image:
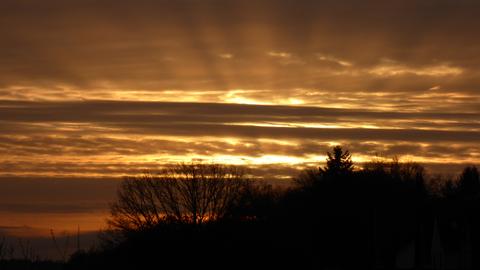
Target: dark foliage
{"x":335,"y":217}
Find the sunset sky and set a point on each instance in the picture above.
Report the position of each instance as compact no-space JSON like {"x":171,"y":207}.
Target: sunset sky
{"x":100,"y":89}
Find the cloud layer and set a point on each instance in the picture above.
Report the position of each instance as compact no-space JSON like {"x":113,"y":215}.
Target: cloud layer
{"x":218,"y":45}
{"x":107,"y":87}
{"x":105,"y":138}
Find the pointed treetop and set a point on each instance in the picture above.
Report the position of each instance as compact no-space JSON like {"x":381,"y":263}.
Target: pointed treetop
{"x":339,"y":162}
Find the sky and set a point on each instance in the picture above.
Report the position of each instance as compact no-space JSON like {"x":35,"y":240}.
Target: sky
{"x":101,"y":89}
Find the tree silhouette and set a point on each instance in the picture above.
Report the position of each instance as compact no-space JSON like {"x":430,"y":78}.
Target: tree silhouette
{"x":339,"y":162}
{"x":308,"y":178}
{"x":185,"y":193}
{"x":336,"y":217}
{"x":469,"y":183}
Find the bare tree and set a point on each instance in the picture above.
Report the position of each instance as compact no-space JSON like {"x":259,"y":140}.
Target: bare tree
{"x":190,"y":193}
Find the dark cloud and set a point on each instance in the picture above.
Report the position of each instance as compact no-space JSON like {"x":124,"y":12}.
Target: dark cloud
{"x":117,"y":137}
{"x":176,"y":44}
{"x":221,"y":120}
{"x":52,"y":194}
{"x":87,"y":111}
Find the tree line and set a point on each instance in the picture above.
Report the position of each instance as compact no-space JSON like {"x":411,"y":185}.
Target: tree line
{"x":383,"y":215}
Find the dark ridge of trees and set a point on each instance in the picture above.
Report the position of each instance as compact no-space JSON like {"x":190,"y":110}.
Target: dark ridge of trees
{"x":384,"y":215}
